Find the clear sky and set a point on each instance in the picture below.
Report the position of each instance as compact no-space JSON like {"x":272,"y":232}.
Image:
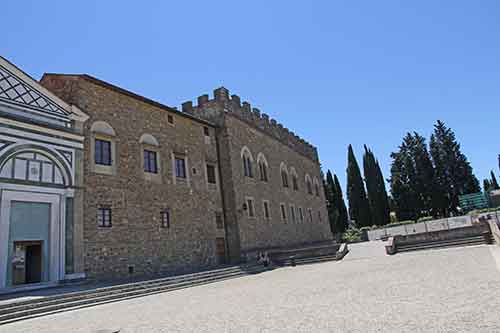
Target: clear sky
{"x":334,"y":72}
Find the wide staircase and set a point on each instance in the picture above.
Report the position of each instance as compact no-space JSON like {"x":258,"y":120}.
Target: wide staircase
{"x":24,"y":309}
{"x":464,"y":241}
{"x":308,"y":254}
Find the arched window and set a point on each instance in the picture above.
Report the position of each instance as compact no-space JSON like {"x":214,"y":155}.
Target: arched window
{"x":284,"y":175}
{"x":263,"y":166}
{"x":34,"y":166}
{"x":150,"y":154}
{"x":247,"y":159}
{"x":103,"y":147}
{"x":295,"y":179}
{"x":316,"y":186}
{"x":308,"y":184}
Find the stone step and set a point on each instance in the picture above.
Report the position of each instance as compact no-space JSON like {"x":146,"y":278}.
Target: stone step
{"x":43,"y":308}
{"x":120,"y":287}
{"x":443,"y":244}
{"x":311,"y":260}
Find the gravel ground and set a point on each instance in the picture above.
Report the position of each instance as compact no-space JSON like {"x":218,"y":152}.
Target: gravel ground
{"x":448,"y":290}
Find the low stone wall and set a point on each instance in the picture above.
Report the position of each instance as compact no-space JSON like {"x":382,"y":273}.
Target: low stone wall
{"x":477,"y":229}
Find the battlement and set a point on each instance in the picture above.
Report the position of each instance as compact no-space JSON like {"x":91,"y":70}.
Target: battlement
{"x":225,"y":104}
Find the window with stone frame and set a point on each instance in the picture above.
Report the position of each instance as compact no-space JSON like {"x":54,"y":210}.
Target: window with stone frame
{"x":295,"y":182}
{"x":102,"y":152}
{"x":319,"y":217}
{"x":283,"y":212}
{"x":219,"y":222}
{"x":170,"y":119}
{"x":180,"y":167}
{"x":310,"y":215}
{"x":309,"y":185}
{"x":250,"y":207}
{"x":104,"y":217}
{"x":247,"y":167}
{"x":301,"y":214}
{"x":211,"y":174}
{"x":265,"y":205}
{"x":206,"y":131}
{"x":292,"y":213}
{"x":150,"y":161}
{"x":165,"y":218}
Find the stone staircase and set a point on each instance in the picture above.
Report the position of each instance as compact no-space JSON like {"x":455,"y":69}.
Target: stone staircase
{"x":465,"y":241}
{"x":306,"y":261}
{"x":20,"y":310}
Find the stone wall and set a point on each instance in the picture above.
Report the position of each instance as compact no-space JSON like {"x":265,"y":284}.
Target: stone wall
{"x":240,"y":126}
{"x":136,"y":238}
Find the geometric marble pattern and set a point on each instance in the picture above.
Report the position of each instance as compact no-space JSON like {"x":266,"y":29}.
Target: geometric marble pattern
{"x":14,"y":89}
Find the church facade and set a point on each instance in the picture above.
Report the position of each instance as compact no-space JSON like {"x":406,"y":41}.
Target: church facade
{"x":99,"y":182}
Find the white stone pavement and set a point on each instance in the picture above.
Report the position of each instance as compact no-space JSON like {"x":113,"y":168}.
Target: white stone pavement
{"x":447,"y":290}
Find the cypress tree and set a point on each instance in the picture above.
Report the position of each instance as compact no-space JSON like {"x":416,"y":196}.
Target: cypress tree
{"x":454,"y":175}
{"x":494,"y":183}
{"x":332,"y":204}
{"x":375,"y":187}
{"x":359,"y":208}
{"x":486,"y":186}
{"x":343,"y":218}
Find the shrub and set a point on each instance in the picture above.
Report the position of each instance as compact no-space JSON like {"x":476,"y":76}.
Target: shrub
{"x":426,"y":218}
{"x":352,"y":235}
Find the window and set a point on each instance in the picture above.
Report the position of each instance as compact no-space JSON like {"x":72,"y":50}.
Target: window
{"x":170,"y":119}
{"x":284,"y":178}
{"x":308,"y":184}
{"x":102,"y":152}
{"x":150,"y":164}
{"x":295,"y":183}
{"x":292,"y":213}
{"x":283,"y":212}
{"x":247,"y":166}
{"x":310,"y":215}
{"x":316,"y":188}
{"x":206,"y":131}
{"x":180,"y":167}
{"x":301,"y":214}
{"x":319,"y":216}
{"x":104,"y":217}
{"x":263,"y":171}
{"x":165,"y":218}
{"x":211,"y":178}
{"x":218,"y":220}
{"x":251,"y":212}
{"x":266,"y":209}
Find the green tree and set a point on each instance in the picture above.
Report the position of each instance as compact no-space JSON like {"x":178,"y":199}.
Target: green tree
{"x":330,"y":195}
{"x":375,"y":187}
{"x":359,"y":208}
{"x":493,"y":182}
{"x":453,"y":173}
{"x":343,"y":218}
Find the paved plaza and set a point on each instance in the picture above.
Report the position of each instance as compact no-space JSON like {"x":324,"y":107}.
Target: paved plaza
{"x":446,"y":290}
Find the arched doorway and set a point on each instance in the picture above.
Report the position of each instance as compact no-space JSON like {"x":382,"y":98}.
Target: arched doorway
{"x":35,"y":183}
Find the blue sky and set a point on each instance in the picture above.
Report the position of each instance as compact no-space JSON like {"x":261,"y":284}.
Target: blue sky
{"x":335,"y":72}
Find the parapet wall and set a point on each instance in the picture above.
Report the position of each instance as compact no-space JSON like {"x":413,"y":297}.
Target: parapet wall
{"x":222,"y":102}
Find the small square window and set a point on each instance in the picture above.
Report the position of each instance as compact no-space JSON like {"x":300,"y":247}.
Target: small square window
{"x":251,"y":212}
{"x":102,"y":153}
{"x":104,"y":217}
{"x":206,"y":131}
{"x":180,"y":167}
{"x":170,"y":119}
{"x":218,"y":220}
{"x":150,"y":163}
{"x":165,"y":218}
{"x":211,"y":177}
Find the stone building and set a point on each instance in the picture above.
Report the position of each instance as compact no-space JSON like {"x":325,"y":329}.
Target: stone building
{"x":152,"y":197}
{"x":41,"y":181}
{"x":99,"y":182}
{"x":271,"y":179}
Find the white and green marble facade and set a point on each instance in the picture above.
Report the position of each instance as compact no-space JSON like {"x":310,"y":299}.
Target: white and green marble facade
{"x":41,"y":176}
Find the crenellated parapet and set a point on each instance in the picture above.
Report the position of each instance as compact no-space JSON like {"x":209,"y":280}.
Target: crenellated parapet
{"x":225,"y":104}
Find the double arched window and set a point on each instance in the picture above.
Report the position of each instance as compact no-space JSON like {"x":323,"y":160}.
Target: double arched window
{"x":247,"y":159}
{"x":263,"y":166}
{"x":284,"y":174}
